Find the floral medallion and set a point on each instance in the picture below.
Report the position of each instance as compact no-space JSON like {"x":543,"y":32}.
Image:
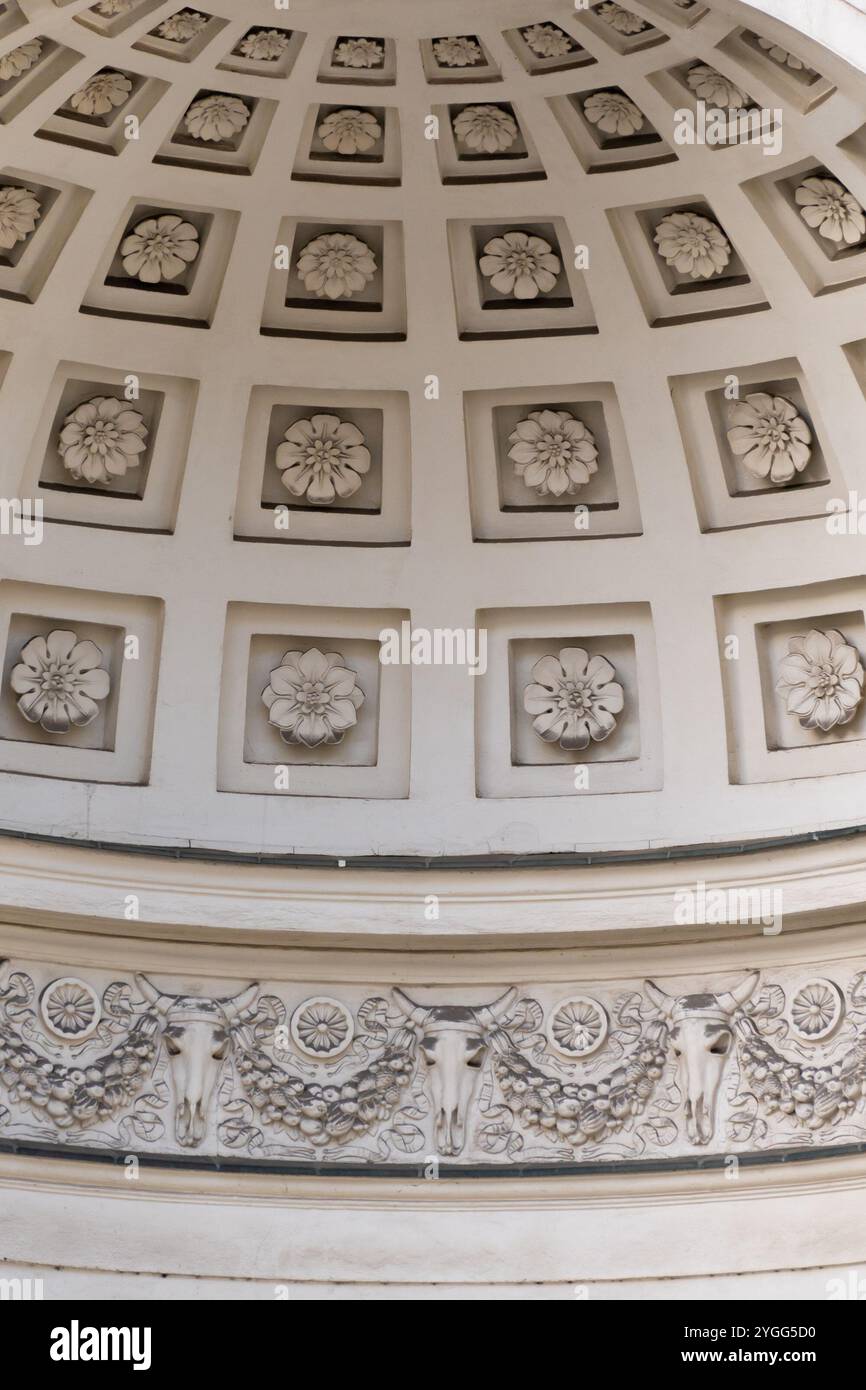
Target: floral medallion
{"x":520,"y":265}
{"x":313,"y":698}
{"x":553,"y":452}
{"x":457,"y":52}
{"x":159,"y":248}
{"x":816,"y":1010}
{"x":577,"y":1027}
{"x":264,"y":45}
{"x":59,"y":680}
{"x":322,"y":1027}
{"x":322,"y":459}
{"x":821,"y":679}
{"x":183,"y":26}
{"x":782,"y":55}
{"x":485,"y":129}
{"x":770,"y":437}
{"x":573,"y":698}
{"x":217,"y":117}
{"x":101,"y":439}
{"x":336,"y":265}
{"x":693,"y":245}
{"x":349,"y":132}
{"x":833,"y":212}
{"x":19,"y":212}
{"x":613,"y":113}
{"x":548,"y":40}
{"x":359,"y":53}
{"x":621,"y":19}
{"x":101,"y":93}
{"x":20,"y":60}
{"x":715,"y":89}
{"x":70,"y":1009}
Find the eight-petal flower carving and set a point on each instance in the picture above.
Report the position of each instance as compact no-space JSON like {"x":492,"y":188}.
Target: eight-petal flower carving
{"x":621,"y":19}
{"x":349,"y":131}
{"x":359,"y":53}
{"x":693,"y":244}
{"x":336,"y":265}
{"x":313,"y":698}
{"x":770,"y":436}
{"x":548,"y":40}
{"x":159,"y":248}
{"x":520,"y":264}
{"x":613,"y":113}
{"x":19,"y":60}
{"x":459,"y":51}
{"x":573,"y":698}
{"x":821,"y":679}
{"x":831,"y":210}
{"x":217,"y":117}
{"x":58,"y":681}
{"x":100,"y":93}
{"x":19,"y":211}
{"x":101,"y":439}
{"x":183,"y":26}
{"x":323,"y":458}
{"x":264,"y":45}
{"x":487,"y":129}
{"x":715,"y":89}
{"x":553,"y":452}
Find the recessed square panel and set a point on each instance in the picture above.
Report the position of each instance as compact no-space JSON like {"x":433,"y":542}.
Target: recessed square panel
{"x":546,"y":46}
{"x":96,"y":115}
{"x":183,"y":35}
{"x":458,"y":58}
{"x":264,"y":51}
{"x":608,"y":131}
{"x":818,"y":219}
{"x":484,"y":142}
{"x":28,"y":69}
{"x":219,"y":130}
{"x":787,"y":70}
{"x":622,"y":28}
{"x":359,"y":58}
{"x":354,"y":143}
{"x":41,"y":214}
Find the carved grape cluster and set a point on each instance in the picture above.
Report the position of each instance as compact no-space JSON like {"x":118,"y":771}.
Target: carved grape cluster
{"x":78,"y":1096}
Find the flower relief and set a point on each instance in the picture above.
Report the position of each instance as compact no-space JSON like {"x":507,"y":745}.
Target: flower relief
{"x":183,"y":26}
{"x":816,"y":1009}
{"x":19,"y":60}
{"x":109,"y":9}
{"x":548,"y":40}
{"x":485,"y":129}
{"x":770,"y":436}
{"x":264,"y":45}
{"x":322,"y":1027}
{"x":349,"y":132}
{"x":69,"y":1009}
{"x":313,"y":698}
{"x":101,"y":93}
{"x":553,"y":452}
{"x":828,"y":207}
{"x":821,"y":679}
{"x":520,"y":265}
{"x":459,"y":52}
{"x":322,"y":459}
{"x":715,"y":89}
{"x":101,"y":439}
{"x":781,"y":55}
{"x":336,"y":265}
{"x":159,"y":248}
{"x":613,"y":113}
{"x":59,"y":680}
{"x":621,"y":19}
{"x":577,"y":1026}
{"x":573,"y":698}
{"x":19,"y":211}
{"x":359,"y":53}
{"x":694,"y":245}
{"x":217,"y":117}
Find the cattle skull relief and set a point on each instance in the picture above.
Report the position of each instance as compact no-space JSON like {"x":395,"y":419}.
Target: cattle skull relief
{"x":197,"y":1035}
{"x":701,"y":1033}
{"x":454,"y":1039}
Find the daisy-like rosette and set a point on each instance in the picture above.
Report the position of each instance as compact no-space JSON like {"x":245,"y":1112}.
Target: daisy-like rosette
{"x":101,"y":439}
{"x":110,"y":8}
{"x":19,"y":210}
{"x":613,"y":113}
{"x":487,"y":129}
{"x":313,"y":698}
{"x":19,"y":60}
{"x":264,"y":45}
{"x":59,"y":680}
{"x":159,"y":248}
{"x":715,"y":89}
{"x":692,"y":244}
{"x":336,"y":265}
{"x":216,"y":117}
{"x":183,"y":26}
{"x":623,"y":20}
{"x":553,"y":452}
{"x":770,"y":437}
{"x":573,"y":698}
{"x":101,"y":93}
{"x":821,"y":679}
{"x":359,"y":53}
{"x":349,"y":132}
{"x":323,"y":458}
{"x":520,"y":264}
{"x":459,"y":51}
{"x":831,"y":210}
{"x":548,"y":40}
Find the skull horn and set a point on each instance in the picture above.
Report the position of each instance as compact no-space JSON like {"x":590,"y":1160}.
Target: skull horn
{"x":733,"y":999}
{"x":663,"y":1001}
{"x":490,"y":1014}
{"x":415,"y":1012}
{"x":240,"y":1004}
{"x":161,"y":1002}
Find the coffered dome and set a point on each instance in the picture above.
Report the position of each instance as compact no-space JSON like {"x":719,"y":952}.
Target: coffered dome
{"x":448,"y":442}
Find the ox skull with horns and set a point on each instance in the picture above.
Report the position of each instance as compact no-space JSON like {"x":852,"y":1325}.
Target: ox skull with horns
{"x":197,"y":1037}
{"x":454,"y":1040}
{"x":700,"y":1028}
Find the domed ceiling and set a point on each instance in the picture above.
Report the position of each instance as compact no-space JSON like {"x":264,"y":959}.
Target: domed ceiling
{"x":430,"y":435}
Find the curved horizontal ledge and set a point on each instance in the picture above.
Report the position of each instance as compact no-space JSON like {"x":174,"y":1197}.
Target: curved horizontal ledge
{"x":821,"y":882}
